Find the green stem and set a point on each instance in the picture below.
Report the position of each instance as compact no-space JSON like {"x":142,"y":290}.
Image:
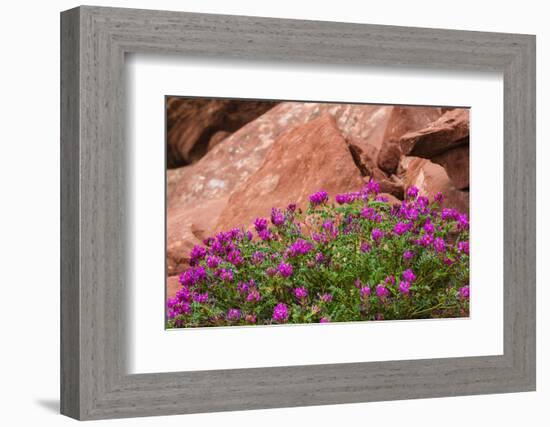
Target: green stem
{"x":435,"y":307}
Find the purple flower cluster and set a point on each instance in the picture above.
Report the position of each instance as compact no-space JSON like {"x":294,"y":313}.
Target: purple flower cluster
{"x":200,"y":298}
{"x":258,"y":257}
{"x":449,"y":214}
{"x":439,"y":245}
{"x":377,"y":234}
{"x":300,"y":293}
{"x":179,"y":305}
{"x":429,"y":227}
{"x":285,"y":269}
{"x":342,"y":199}
{"x":401,"y":228}
{"x":318,"y":198}
{"x":265,"y":235}
{"x":197,"y":253}
{"x":409,"y":275}
{"x":371,"y":214}
{"x":382,"y":292}
{"x":233,"y":314}
{"x":277,"y":217}
{"x":358,"y":258}
{"x":226,"y":275}
{"x":464,"y":247}
{"x":325,"y":297}
{"x":299,"y":247}
{"x":404,"y":287}
{"x":464,"y":292}
{"x":254,"y":296}
{"x":365,"y":247}
{"x":212,"y":261}
{"x":192,"y":276}
{"x":364,"y":292}
{"x":235,"y":257}
{"x":260,"y":224}
{"x":280,"y":313}
{"x":463,"y":222}
{"x":412,"y":192}
{"x":372,"y":187}
{"x":319,"y":258}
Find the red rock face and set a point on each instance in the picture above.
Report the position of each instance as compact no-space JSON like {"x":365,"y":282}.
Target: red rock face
{"x":320,"y":160}
{"x":195,"y":125}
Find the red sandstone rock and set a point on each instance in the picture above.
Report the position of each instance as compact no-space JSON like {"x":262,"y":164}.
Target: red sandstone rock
{"x":218,"y":137}
{"x":364,"y":156}
{"x":243,"y":152}
{"x":457,"y":165}
{"x":392,"y":185}
{"x":172,"y":286}
{"x":451,"y":130}
{"x":401,"y":121}
{"x":192,"y":123}
{"x":446,"y":142}
{"x":187,"y":226}
{"x":311,"y":157}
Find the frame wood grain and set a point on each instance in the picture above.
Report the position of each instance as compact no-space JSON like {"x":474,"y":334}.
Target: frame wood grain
{"x":94,"y":381}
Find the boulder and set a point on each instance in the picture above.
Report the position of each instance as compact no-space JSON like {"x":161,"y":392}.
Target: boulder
{"x":446,"y":142}
{"x":402,"y":120}
{"x":451,"y":130}
{"x":230,"y":163}
{"x":192,"y":123}
{"x":389,"y":155}
{"x":311,"y":157}
{"x":457,"y":165}
{"x":364,"y":156}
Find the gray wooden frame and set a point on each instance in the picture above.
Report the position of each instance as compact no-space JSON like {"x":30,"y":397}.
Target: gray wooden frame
{"x":94,"y":382}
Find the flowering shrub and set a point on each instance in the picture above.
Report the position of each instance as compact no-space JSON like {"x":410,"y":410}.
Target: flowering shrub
{"x":360,"y":258}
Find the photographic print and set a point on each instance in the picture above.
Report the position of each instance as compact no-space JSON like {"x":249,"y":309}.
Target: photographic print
{"x":291,"y":212}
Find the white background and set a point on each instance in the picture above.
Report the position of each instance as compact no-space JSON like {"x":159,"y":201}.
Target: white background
{"x":29,"y":218}
{"x":150,"y":78}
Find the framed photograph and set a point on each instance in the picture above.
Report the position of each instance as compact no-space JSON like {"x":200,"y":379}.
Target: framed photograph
{"x":261,"y":213}
{"x":337,"y":213}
